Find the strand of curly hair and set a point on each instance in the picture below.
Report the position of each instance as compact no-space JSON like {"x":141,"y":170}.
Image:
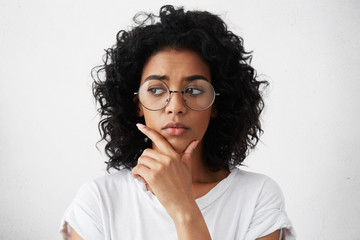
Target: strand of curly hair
{"x":230,"y":135}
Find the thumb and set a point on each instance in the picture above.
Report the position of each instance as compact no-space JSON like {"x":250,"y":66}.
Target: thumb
{"x":186,"y":157}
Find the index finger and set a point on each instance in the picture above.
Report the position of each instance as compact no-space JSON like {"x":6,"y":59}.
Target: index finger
{"x":160,"y":142}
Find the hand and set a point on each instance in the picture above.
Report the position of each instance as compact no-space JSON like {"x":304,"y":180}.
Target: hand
{"x":167,"y":172}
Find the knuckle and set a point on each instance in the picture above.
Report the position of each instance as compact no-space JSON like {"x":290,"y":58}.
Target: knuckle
{"x":167,"y":161}
{"x":146,"y":151}
{"x":151,"y":177}
{"x":160,"y":167}
{"x":140,"y":159}
{"x":176,"y":156}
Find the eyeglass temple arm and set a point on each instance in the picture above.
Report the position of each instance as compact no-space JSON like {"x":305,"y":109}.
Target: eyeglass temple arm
{"x":137,"y":93}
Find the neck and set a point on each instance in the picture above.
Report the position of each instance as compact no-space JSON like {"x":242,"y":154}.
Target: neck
{"x":201,"y":172}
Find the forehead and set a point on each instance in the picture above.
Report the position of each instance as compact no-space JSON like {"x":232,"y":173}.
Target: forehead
{"x":176,"y":65}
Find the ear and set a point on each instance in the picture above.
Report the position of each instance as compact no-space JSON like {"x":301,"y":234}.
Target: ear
{"x":139,"y":107}
{"x":140,"y":112}
{"x":214,"y":112}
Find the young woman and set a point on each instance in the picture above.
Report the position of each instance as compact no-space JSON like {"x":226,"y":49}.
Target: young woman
{"x":180,"y":109}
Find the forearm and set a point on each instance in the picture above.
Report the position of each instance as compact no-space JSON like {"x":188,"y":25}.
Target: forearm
{"x":191,"y":225}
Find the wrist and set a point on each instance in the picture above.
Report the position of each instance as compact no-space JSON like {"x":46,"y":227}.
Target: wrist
{"x":187,"y":216}
{"x":191,"y":225}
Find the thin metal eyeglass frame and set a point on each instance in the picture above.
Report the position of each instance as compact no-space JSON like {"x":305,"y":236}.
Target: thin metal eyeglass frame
{"x":182,"y":93}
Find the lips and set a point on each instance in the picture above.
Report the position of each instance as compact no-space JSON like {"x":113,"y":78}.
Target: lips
{"x":174,"y":125}
{"x":175,"y":129}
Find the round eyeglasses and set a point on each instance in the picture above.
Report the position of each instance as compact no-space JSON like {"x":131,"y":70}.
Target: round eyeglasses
{"x":198,"y":95}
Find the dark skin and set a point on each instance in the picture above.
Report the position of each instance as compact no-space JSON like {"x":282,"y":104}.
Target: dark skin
{"x":174,"y":169}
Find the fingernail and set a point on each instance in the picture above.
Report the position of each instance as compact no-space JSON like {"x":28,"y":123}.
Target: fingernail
{"x":140,"y":126}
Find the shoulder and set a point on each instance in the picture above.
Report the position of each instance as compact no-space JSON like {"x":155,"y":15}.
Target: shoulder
{"x":257,"y":186}
{"x":119,"y":177}
{"x":94,"y":202}
{"x":106,"y":185}
{"x":265,"y":204}
{"x":253,"y":179}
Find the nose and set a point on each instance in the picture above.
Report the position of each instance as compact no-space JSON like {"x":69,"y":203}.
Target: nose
{"x":176,"y":103}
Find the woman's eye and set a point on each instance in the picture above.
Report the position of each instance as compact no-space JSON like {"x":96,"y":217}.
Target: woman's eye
{"x":193,"y":91}
{"x":156,"y":91}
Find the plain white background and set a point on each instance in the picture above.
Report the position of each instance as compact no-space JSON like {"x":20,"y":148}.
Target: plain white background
{"x":308,"y":51}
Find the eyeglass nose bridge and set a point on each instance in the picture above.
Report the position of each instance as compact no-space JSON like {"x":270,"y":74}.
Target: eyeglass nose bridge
{"x":170,"y":92}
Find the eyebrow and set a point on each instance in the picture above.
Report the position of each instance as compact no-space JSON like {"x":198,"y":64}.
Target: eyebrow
{"x":164,"y":77}
{"x":157,"y":77}
{"x":196,"y":77}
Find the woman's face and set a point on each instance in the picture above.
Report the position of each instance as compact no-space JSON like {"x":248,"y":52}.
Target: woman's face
{"x":176,"y":122}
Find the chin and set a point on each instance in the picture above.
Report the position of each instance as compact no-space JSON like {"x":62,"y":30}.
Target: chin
{"x":179,"y":145}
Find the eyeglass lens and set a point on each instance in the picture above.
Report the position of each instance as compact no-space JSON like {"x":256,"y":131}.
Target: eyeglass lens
{"x":155,"y":94}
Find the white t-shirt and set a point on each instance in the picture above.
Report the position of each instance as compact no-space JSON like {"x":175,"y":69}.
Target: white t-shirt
{"x":243,"y":206}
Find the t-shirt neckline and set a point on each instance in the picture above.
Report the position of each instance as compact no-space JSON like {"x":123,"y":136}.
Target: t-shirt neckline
{"x":216,"y":191}
{"x":202,"y":202}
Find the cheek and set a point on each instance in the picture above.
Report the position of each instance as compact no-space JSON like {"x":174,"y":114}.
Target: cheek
{"x":203,"y":122}
{"x":151,"y":118}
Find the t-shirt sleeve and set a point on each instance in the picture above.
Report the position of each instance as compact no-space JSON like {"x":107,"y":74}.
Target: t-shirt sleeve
{"x":269,"y":214}
{"x":84,"y":215}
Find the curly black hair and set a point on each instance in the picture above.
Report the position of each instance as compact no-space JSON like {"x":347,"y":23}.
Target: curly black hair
{"x":229,"y":136}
